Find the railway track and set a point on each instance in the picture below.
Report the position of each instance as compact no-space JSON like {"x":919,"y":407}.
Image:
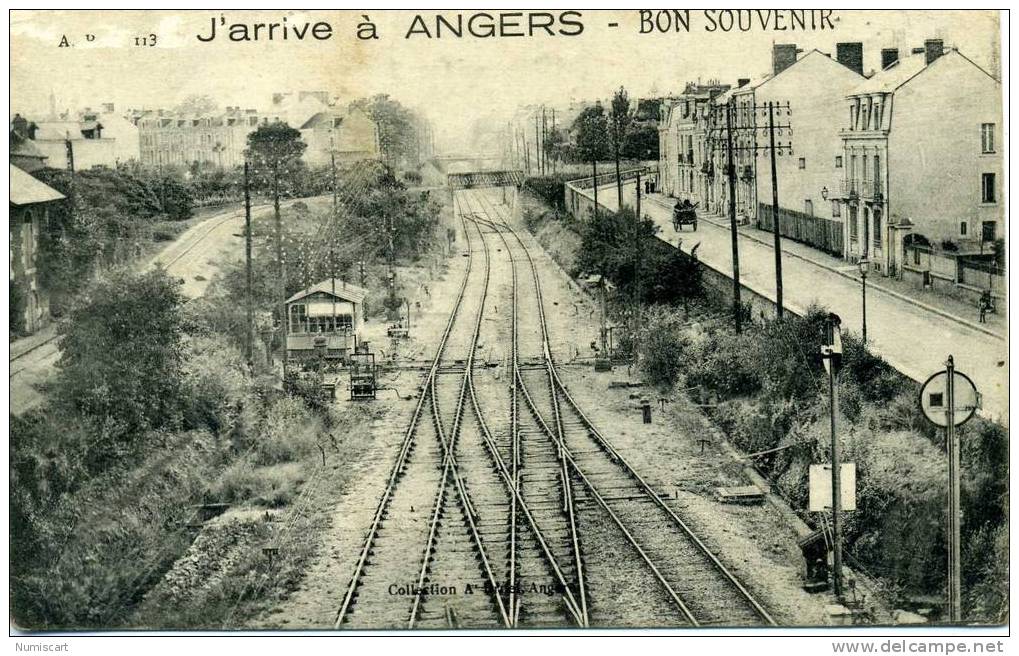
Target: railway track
{"x":701,"y":588}
{"x":462,"y":533}
{"x":500,"y":474}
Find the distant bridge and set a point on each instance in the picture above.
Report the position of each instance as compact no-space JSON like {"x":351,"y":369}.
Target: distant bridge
{"x":477,"y":179}
{"x":465,"y":163}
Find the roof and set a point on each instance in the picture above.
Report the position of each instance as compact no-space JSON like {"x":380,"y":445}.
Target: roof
{"x":894,"y":76}
{"x":57,"y":130}
{"x":318,"y":118}
{"x":344,"y":290}
{"x":24,"y":147}
{"x":26,"y":190}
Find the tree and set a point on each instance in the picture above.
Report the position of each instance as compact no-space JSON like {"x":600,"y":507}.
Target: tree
{"x":273,"y":150}
{"x":196,"y":104}
{"x":620,"y":120}
{"x":398,"y":131}
{"x":591,"y":127}
{"x":555,"y":145}
{"x":122,"y":353}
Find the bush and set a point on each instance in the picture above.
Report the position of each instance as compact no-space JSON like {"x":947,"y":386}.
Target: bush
{"x":661,"y":346}
{"x":288,"y":432}
{"x":122,"y":354}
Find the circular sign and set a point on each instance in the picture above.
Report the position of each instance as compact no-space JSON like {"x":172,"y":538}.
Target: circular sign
{"x":934,"y":399}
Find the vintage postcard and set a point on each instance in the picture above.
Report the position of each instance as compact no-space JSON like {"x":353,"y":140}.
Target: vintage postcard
{"x":507,"y":319}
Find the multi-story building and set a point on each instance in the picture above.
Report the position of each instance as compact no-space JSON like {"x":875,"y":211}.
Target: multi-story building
{"x":348,"y":135}
{"x":170,"y":139}
{"x":921,"y":162}
{"x":683,"y":152}
{"x":806,"y":96}
{"x":92,"y":137}
{"x":181,"y":139}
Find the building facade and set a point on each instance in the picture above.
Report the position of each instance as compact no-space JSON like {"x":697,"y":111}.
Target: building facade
{"x":30,"y":201}
{"x":684,"y":160}
{"x":349,"y":136}
{"x":174,"y":139}
{"x":913,"y":176}
{"x":805,"y":97}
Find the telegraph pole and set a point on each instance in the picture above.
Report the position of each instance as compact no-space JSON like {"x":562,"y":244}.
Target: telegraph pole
{"x":736,"y":301}
{"x":247,"y":265}
{"x":281,"y":270}
{"x":537,"y":148}
{"x":774,"y":212}
{"x":638,"y":252}
{"x":336,"y":198}
{"x":554,"y":159}
{"x":834,"y":352}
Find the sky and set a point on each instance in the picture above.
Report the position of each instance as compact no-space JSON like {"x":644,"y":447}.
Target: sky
{"x":453,"y":81}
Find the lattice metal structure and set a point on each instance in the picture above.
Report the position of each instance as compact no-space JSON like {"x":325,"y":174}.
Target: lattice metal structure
{"x":479,"y":179}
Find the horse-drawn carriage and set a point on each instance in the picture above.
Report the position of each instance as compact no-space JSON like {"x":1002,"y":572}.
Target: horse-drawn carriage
{"x":684,"y":213}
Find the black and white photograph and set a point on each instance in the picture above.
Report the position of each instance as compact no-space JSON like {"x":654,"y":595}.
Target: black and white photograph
{"x":509,"y":322}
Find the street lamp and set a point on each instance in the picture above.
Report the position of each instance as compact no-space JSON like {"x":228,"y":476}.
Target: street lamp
{"x":864,"y":265}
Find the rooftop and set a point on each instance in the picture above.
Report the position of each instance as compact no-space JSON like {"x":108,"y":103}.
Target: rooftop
{"x":343,"y":290}
{"x":26,"y":190}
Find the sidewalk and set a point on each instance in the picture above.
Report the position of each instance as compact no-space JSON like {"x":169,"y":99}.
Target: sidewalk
{"x":913,"y":336}
{"x":945,"y":306}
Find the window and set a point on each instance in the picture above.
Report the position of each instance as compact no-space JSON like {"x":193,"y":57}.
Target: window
{"x":803,"y":162}
{"x":838,"y":161}
{"x":836,"y":209}
{"x":987,"y":191}
{"x":988,"y":230}
{"x":854,"y":229}
{"x":298,"y":318}
{"x":987,"y":137}
{"x":962,"y":229}
{"x":808,"y":207}
{"x":877,"y":229}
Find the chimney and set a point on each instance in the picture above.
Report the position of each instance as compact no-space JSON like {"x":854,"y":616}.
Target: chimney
{"x":109,"y":108}
{"x":889,"y":56}
{"x":783,"y":55}
{"x":933,"y":48}
{"x":850,"y":55}
{"x":742,"y":82}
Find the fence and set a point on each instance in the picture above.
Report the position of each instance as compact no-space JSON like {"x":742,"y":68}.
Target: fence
{"x":823,"y":234}
{"x":986,"y":275}
{"x":577,"y":195}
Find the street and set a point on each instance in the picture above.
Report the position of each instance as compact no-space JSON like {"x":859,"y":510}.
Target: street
{"x":910,"y":338}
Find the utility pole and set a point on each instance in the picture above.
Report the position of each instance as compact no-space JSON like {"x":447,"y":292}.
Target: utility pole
{"x":363,"y":277}
{"x":638,"y":252}
{"x":834,"y":351}
{"x":555,"y":160}
{"x":249,"y":286}
{"x":544,"y":137}
{"x":281,"y":270}
{"x":774,"y":212}
{"x":392,"y":265}
{"x":336,"y":198}
{"x":537,"y":147}
{"x":736,"y":301}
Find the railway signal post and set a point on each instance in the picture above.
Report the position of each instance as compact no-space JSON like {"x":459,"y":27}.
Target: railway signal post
{"x":831,"y":355}
{"x":949,"y":399}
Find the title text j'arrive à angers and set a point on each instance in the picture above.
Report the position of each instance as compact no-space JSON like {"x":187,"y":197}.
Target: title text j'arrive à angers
{"x":529,"y":24}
